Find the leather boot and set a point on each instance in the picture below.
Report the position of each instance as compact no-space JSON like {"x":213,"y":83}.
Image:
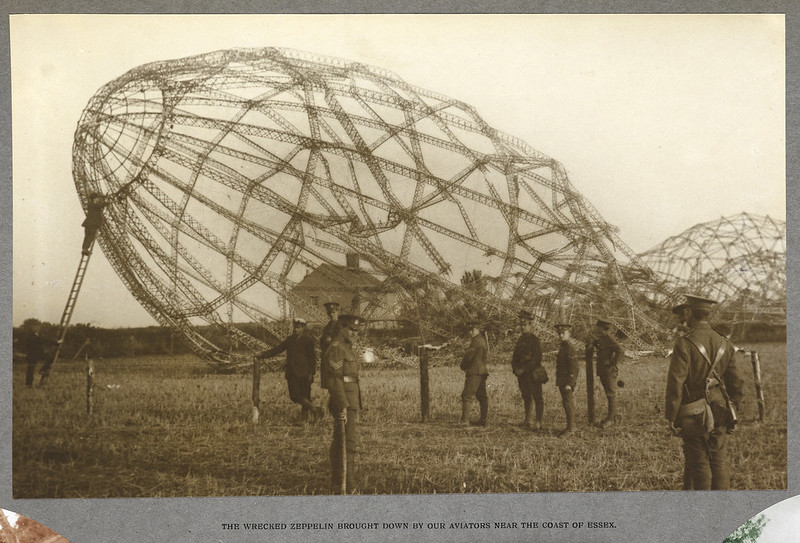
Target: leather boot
{"x":466,"y":407}
{"x":539,"y":416}
{"x":484,"y":411}
{"x":528,"y":418}
{"x":612,"y":413}
{"x":570,"y":412}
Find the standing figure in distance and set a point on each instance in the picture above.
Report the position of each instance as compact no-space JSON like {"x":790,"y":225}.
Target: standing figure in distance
{"x":474,"y":366}
{"x":566,"y":375}
{"x":703,"y":367}
{"x":35,"y":346}
{"x":330,"y":332}
{"x":301,"y":365}
{"x":526,"y":358}
{"x":608,"y":354}
{"x":342,"y":365}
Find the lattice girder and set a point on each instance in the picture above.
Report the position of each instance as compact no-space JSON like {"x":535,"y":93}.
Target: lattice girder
{"x":246,"y":169}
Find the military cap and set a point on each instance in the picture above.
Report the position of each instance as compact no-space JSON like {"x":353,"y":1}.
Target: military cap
{"x":525,"y":315}
{"x":331,"y":305}
{"x":353,"y":322}
{"x":561,"y":326}
{"x":678,"y":309}
{"x":698,"y":302}
{"x":299,"y":322}
{"x":473,"y":323}
{"x":604,"y":324}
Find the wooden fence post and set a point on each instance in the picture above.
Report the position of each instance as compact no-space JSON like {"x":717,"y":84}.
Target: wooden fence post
{"x":89,"y":386}
{"x":256,"y":387}
{"x":424,"y":390}
{"x":757,"y":379}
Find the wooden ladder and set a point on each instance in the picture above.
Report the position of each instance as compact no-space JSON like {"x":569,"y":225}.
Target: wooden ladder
{"x":66,"y":316}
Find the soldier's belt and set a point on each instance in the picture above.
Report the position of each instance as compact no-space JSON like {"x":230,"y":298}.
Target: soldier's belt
{"x":348,"y":379}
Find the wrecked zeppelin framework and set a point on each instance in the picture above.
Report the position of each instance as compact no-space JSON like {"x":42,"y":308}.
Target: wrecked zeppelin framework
{"x":244,"y":170}
{"x":739,"y":260}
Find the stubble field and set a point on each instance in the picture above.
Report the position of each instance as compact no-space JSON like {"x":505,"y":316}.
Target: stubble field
{"x":166,"y":427}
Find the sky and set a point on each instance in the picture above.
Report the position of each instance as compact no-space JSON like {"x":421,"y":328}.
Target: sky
{"x":661,"y":121}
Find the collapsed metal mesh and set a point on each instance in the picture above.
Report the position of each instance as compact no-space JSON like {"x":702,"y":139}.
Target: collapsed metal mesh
{"x":739,"y":260}
{"x":246,"y":169}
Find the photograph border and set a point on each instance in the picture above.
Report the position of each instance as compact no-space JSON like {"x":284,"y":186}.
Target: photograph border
{"x":644,"y":516}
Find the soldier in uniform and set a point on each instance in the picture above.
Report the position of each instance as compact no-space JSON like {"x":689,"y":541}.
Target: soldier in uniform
{"x":691,"y":378}
{"x":526,"y":357}
{"x":330,"y":331}
{"x":566,"y":375}
{"x":301,"y":365}
{"x":35,"y":347}
{"x":608,"y":353}
{"x":474,"y":366}
{"x":683,"y":314}
{"x":342,"y":363}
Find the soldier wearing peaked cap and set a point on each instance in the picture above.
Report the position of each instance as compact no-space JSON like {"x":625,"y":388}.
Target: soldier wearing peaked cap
{"x":473,"y":364}
{"x":328,"y":334}
{"x":566,"y":375}
{"x":703,"y":377}
{"x":608,"y":354}
{"x":301,"y":365}
{"x":342,"y":366}
{"x":525,"y":360}
{"x":682,"y":313}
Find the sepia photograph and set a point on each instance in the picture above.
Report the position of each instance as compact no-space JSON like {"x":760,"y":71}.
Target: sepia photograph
{"x":397,"y":277}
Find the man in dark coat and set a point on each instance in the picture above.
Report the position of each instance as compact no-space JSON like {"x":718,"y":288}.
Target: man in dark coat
{"x":301,"y":365}
{"x":608,"y":354}
{"x":703,"y":365}
{"x":35,"y":351}
{"x":93,"y":222}
{"x":474,"y":366}
{"x":683,"y":315}
{"x":566,"y":375}
{"x":342,"y":366}
{"x":329,"y":333}
{"x":527,"y":356}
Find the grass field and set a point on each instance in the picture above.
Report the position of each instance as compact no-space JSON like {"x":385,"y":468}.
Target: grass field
{"x":166,"y":427}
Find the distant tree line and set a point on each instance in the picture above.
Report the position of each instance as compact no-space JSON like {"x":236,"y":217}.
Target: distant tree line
{"x":124,"y":342}
{"x":160,"y":340}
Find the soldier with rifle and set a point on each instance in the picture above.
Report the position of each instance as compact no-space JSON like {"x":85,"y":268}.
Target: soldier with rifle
{"x":328,"y":334}
{"x":341,"y":365}
{"x":704,"y":387}
{"x":608,"y":354}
